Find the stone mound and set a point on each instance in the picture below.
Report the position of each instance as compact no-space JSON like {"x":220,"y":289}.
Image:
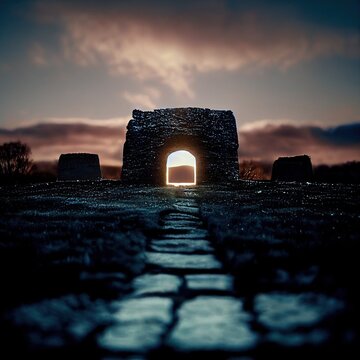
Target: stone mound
{"x":79,"y":166}
{"x":295,"y":168}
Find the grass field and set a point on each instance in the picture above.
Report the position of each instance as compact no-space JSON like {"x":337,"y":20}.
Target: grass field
{"x":68,"y":250}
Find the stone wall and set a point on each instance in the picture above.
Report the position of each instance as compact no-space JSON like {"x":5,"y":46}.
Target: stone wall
{"x":210,"y":135}
{"x":79,"y":167}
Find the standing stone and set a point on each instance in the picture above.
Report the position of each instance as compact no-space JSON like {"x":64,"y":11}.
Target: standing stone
{"x":210,"y":135}
{"x":296,"y":168}
{"x":79,"y":167}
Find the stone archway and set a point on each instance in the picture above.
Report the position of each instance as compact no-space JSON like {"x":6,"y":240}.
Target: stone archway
{"x":210,"y":135}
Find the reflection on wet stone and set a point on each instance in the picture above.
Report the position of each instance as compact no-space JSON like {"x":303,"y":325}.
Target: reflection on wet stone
{"x":139,"y":324}
{"x":213,"y":323}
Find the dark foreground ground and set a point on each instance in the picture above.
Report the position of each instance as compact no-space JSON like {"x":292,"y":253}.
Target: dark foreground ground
{"x":71,"y":253}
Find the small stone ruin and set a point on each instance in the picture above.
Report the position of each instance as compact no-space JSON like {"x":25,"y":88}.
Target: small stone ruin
{"x":210,"y":135}
{"x":80,"y":166}
{"x":295,"y":168}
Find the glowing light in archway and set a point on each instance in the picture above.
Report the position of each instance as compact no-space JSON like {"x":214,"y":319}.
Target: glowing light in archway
{"x":181,"y":168}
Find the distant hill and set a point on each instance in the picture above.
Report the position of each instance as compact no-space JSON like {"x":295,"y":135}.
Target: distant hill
{"x":111,"y":172}
{"x":181,"y":174}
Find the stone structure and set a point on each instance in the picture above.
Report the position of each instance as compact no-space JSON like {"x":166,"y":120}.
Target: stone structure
{"x":296,"y":168}
{"x":210,"y":135}
{"x":79,"y":167}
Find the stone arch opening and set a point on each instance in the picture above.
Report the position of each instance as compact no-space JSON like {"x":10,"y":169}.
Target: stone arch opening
{"x":188,"y":143}
{"x":181,"y":168}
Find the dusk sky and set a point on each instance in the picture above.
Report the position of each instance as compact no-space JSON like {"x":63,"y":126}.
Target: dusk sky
{"x":71,"y":72}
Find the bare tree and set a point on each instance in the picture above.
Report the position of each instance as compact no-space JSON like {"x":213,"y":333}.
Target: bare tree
{"x":252,"y":170}
{"x":15,"y":159}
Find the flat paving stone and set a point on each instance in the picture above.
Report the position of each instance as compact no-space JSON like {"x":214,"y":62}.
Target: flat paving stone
{"x":216,"y":282}
{"x":132,"y":337}
{"x":182,"y":221}
{"x":183,"y":261}
{"x":182,"y":246}
{"x":144,"y":309}
{"x":193,"y":234}
{"x":177,"y":225}
{"x":181,"y":216}
{"x":187,"y":209}
{"x":139,"y":324}
{"x":186,"y":202}
{"x":158,"y":283}
{"x":212,"y":323}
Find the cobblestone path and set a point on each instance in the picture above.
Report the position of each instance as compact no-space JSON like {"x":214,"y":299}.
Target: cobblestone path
{"x":184,"y":301}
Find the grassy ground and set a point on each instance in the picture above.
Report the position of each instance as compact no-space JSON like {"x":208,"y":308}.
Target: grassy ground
{"x":67,"y":248}
{"x":287,"y":244}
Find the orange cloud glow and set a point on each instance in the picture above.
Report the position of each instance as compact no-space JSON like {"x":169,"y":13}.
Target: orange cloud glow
{"x":265,"y":143}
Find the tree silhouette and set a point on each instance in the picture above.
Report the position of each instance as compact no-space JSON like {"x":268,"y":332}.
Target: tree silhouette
{"x":15,"y":159}
{"x":252,"y":170}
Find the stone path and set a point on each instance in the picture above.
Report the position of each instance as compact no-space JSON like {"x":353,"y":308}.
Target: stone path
{"x":184,"y":302}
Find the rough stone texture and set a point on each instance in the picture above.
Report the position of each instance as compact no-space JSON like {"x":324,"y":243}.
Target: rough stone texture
{"x":296,"y":168}
{"x":79,"y":167}
{"x":212,"y":323}
{"x":210,"y":135}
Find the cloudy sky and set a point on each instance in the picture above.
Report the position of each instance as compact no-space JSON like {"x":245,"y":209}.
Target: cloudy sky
{"x":71,"y":72}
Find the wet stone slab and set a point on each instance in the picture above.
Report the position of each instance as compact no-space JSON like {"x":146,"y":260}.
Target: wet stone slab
{"x":181,"y":225}
{"x":183,"y":261}
{"x":193,"y":210}
{"x":216,"y":282}
{"x":132,"y":337}
{"x":139,"y":324}
{"x":182,"y":246}
{"x":144,"y":309}
{"x":158,"y":283}
{"x":212,"y":323}
{"x":181,"y":217}
{"x":192,"y":234}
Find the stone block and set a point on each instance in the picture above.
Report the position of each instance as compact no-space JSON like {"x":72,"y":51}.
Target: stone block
{"x":79,"y":167}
